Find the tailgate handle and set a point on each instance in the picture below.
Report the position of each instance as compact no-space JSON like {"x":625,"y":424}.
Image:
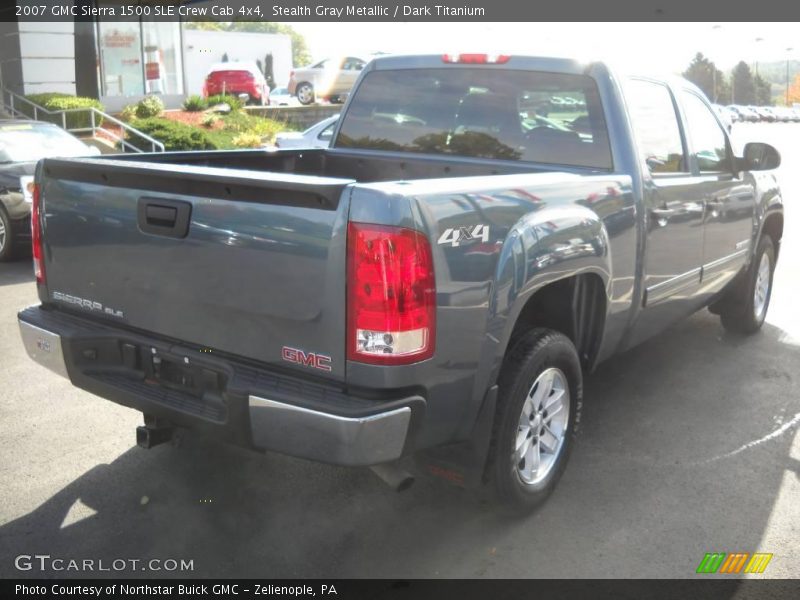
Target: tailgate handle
{"x":163,"y":216}
{"x":169,"y":218}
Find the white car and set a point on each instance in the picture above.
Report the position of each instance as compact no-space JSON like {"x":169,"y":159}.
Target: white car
{"x":316,"y":136}
{"x":280,"y":96}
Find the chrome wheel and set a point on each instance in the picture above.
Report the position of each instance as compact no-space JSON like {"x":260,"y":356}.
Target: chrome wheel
{"x":761,"y":292}
{"x":542,"y":426}
{"x":305,"y":94}
{"x":3,"y":235}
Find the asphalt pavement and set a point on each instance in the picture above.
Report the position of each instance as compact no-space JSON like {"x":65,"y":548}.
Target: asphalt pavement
{"x":688,"y":444}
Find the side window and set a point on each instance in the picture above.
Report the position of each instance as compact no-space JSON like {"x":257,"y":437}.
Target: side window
{"x":708,"y":138}
{"x":655,"y":124}
{"x":353,"y":64}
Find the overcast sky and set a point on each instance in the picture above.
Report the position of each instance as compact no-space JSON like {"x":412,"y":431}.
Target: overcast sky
{"x":664,"y":47}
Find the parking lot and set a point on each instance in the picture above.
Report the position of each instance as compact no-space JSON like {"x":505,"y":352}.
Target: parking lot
{"x":688,"y":444}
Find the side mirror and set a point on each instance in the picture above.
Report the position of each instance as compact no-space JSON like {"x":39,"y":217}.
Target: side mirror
{"x":759,"y":157}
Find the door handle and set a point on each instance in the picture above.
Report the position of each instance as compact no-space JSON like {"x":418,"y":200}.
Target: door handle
{"x":169,"y":218}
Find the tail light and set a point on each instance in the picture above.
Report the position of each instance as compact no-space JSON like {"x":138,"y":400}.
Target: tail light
{"x":391,"y":295}
{"x":36,"y":235}
{"x":477,"y":59}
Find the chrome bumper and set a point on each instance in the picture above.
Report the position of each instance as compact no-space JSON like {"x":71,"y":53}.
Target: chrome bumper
{"x":278,"y":426}
{"x":44,"y":347}
{"x":350,"y":441}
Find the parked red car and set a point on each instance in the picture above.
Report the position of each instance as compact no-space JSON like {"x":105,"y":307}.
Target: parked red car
{"x":237,"y":78}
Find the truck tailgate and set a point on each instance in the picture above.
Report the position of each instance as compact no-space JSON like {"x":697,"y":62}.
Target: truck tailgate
{"x":233,"y":261}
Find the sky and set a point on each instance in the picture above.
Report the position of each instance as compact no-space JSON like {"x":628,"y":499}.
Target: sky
{"x":654,"y":47}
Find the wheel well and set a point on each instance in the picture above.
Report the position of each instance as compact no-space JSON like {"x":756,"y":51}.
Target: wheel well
{"x":773,"y":227}
{"x":574,"y":306}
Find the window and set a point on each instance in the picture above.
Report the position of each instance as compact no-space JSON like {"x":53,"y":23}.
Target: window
{"x":353,"y":64}
{"x":655,"y":126}
{"x":708,"y":139}
{"x":551,"y":118}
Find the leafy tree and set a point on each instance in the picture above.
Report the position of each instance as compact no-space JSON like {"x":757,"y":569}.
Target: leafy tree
{"x":301,"y":55}
{"x":704,"y":74}
{"x":763,"y":91}
{"x":794,"y":90}
{"x":744,"y":86}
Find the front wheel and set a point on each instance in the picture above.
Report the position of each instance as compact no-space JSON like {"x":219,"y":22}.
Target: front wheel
{"x":745,"y":307}
{"x":305,"y":94}
{"x":541,"y":388}
{"x":6,"y":237}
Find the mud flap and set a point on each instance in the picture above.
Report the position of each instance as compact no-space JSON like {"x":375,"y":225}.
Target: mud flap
{"x":463,"y":463}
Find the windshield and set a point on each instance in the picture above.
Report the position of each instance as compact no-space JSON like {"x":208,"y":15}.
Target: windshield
{"x":24,"y":142}
{"x":501,"y":114}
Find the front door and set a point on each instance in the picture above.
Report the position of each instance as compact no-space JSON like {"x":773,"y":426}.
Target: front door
{"x":729,"y":200}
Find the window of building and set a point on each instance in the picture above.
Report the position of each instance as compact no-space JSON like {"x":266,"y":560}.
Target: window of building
{"x":139,"y":58}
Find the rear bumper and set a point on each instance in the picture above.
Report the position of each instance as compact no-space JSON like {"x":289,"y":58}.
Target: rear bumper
{"x":243,"y":404}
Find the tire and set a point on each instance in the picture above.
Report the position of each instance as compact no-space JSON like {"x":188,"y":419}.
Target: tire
{"x":745,"y":307}
{"x":542,"y":366}
{"x":6,"y":237}
{"x":304,"y":93}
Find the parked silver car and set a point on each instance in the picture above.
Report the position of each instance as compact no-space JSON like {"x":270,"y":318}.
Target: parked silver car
{"x":330,"y":79}
{"x":317,"y":136}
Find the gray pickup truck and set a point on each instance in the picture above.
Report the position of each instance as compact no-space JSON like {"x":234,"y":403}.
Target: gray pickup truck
{"x":482,"y":231}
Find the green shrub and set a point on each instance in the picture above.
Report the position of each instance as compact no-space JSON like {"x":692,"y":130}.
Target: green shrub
{"x":232,"y":101}
{"x":244,"y":123}
{"x":128,"y":114}
{"x":58,"y":101}
{"x":149,"y":106}
{"x":195,"y":103}
{"x":209,"y":120}
{"x":174,"y":135}
{"x":247,"y":140}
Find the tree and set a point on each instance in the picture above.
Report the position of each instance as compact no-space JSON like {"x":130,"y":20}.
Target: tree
{"x":744,"y":86}
{"x":301,"y":55}
{"x":763,"y":91}
{"x":704,"y":74}
{"x":794,"y":90}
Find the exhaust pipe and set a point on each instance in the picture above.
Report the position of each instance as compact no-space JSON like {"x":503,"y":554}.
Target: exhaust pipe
{"x":148,"y":437}
{"x":395,"y":477}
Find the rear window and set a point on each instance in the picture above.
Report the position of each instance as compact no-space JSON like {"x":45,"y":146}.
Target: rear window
{"x":23,"y":142}
{"x":504,"y":114}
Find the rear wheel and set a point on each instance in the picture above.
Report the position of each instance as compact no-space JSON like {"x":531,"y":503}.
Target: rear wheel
{"x":305,"y":93}
{"x":744,"y":309}
{"x":540,"y":392}
{"x":6,"y":237}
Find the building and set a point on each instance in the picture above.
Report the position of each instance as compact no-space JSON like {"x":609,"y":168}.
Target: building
{"x":120,"y":62}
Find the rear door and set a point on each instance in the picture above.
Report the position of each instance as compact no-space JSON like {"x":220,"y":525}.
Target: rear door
{"x":729,"y":200}
{"x":674,"y":205}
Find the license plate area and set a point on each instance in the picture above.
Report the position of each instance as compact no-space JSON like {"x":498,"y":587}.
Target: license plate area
{"x":184,"y":376}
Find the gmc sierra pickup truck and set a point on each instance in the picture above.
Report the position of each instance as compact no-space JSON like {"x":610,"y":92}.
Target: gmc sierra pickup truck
{"x":482,"y":231}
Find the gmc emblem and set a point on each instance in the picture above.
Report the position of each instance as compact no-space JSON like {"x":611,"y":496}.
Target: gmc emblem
{"x":310,"y":359}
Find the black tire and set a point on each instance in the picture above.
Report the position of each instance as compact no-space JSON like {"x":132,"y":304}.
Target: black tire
{"x":7,"y":241}
{"x":535,"y":352}
{"x":737,"y":310}
{"x":300,"y":91}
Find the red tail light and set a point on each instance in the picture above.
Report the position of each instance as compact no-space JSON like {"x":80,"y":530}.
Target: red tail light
{"x":391,"y":295}
{"x":36,"y":235}
{"x":477,"y":59}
